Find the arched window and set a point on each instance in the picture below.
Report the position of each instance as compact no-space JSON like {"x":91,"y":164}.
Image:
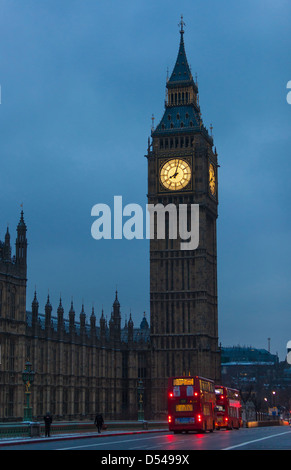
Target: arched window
{"x":12,"y":306}
{"x":1,"y":294}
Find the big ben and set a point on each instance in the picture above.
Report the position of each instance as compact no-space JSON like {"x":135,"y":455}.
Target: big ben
{"x":182,"y":171}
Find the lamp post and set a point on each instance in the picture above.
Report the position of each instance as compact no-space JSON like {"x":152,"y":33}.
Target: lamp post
{"x":28,"y":378}
{"x":140,"y":391}
{"x":274,"y":398}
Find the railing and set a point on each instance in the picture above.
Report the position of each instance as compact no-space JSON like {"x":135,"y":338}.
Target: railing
{"x":37,"y":429}
{"x":14,"y":430}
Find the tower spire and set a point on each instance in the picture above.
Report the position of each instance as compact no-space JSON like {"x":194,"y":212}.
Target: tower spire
{"x":182,"y":24}
{"x":21,"y":241}
{"x":181,"y":73}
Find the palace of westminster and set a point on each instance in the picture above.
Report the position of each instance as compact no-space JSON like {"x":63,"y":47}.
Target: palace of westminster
{"x":85,"y":365}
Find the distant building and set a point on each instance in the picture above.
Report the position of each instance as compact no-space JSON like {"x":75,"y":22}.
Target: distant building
{"x":243,"y":365}
{"x":246,"y":355}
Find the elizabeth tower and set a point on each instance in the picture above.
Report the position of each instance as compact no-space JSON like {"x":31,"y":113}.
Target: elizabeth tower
{"x":182,"y":170}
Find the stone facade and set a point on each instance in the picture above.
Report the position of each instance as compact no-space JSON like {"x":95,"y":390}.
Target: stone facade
{"x":81,"y":367}
{"x":13,"y":271}
{"x":183,"y":283}
{"x":86,"y":366}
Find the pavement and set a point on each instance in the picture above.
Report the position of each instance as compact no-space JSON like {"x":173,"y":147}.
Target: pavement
{"x":74,"y":435}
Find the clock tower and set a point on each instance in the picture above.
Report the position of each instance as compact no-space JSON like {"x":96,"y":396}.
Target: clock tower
{"x":182,"y":171}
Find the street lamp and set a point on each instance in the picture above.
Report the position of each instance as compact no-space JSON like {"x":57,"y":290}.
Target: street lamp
{"x":274,"y":398}
{"x":28,"y":378}
{"x":140,"y":391}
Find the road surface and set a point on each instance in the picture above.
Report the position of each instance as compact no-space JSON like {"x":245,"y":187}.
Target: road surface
{"x":266,"y":438}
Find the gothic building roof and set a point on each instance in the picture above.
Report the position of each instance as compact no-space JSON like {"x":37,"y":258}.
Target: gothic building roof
{"x":144,"y":323}
{"x":141,"y":334}
{"x":179,"y":119}
{"x":181,"y":72}
{"x":183,"y":115}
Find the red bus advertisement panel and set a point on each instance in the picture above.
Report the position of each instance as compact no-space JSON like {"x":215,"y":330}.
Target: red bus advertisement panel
{"x":228,"y":410}
{"x":191,"y":404}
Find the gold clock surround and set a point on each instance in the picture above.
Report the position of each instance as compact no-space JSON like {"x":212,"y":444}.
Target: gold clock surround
{"x":175,"y":174}
{"x":212,"y":180}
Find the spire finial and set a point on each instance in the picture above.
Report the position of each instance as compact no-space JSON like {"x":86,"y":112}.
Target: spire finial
{"x":182,"y":24}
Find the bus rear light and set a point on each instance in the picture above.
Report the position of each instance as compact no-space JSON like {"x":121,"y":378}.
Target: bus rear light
{"x":171,"y":394}
{"x":195,"y":394}
{"x":199,"y":418}
{"x":169,"y":419}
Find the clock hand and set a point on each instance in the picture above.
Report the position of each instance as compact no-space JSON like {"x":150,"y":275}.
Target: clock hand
{"x":176,"y":172}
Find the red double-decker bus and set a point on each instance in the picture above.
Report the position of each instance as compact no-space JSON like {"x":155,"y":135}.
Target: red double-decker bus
{"x":228,"y":408}
{"x":191,"y":403}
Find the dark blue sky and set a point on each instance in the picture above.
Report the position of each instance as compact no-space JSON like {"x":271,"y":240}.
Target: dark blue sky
{"x":79,"y":84}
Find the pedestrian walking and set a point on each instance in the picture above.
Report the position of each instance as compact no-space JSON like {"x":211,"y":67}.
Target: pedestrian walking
{"x":47,"y":423}
{"x":99,"y":421}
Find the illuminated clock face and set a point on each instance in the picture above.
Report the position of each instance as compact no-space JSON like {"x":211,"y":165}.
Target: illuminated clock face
{"x":175,"y":174}
{"x":212,"y":180}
